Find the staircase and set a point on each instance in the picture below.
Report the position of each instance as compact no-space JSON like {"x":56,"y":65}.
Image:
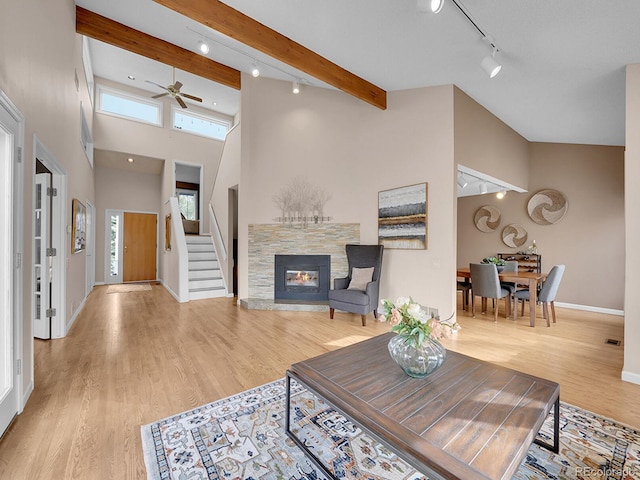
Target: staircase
{"x":205,"y":278}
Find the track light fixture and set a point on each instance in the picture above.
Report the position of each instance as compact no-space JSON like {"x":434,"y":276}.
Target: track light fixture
{"x":501,"y":194}
{"x":436,"y":5}
{"x":462,"y":182}
{"x":490,"y":65}
{"x":483,"y":188}
{"x":429,"y":6}
{"x":203,"y":47}
{"x":254,"y":70}
{"x":295,"y":87}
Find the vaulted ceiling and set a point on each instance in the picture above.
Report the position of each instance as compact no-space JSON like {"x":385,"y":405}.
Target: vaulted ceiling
{"x":563,"y":75}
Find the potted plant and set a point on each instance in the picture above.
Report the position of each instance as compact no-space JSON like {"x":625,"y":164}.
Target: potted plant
{"x":498,"y":262}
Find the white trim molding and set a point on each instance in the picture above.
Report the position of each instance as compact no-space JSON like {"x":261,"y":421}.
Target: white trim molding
{"x":587,"y":308}
{"x":631,"y":377}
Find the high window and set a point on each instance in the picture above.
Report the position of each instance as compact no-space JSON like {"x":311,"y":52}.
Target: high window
{"x":198,"y":124}
{"x":129,"y":106}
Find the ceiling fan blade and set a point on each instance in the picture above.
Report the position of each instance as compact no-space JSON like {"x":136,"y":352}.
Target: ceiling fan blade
{"x":191,"y":97}
{"x":177,"y":86}
{"x":156,"y":84}
{"x":160,"y":95}
{"x":181,"y":102}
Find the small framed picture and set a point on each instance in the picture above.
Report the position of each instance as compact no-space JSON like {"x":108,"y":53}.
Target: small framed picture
{"x":78,"y":226}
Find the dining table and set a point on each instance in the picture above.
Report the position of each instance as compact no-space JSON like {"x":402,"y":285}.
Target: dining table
{"x":532,"y":279}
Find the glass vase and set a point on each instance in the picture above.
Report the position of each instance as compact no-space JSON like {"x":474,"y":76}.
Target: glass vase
{"x":417,"y":362}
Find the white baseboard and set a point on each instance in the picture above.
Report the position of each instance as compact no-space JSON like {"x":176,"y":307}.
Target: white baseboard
{"x":587,"y":308}
{"x":74,"y":316}
{"x":99,"y":283}
{"x":168,"y":289}
{"x":26,"y":395}
{"x":631,"y":377}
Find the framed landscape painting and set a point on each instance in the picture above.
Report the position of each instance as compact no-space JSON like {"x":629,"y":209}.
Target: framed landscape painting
{"x":402,"y":217}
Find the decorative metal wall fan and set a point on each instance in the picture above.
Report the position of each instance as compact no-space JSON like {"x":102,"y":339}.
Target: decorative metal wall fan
{"x":173,"y":90}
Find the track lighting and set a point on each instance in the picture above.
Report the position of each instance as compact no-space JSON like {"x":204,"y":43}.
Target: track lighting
{"x":203,"y":47}
{"x":436,"y":5}
{"x":500,"y":195}
{"x":433,"y":6}
{"x":254,"y":70}
{"x":490,"y":65}
{"x":462,"y":182}
{"x":483,"y":188}
{"x":295,"y":88}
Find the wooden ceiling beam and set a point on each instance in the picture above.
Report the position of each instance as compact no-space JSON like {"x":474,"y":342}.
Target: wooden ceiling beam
{"x":106,"y":30}
{"x":234,"y":24}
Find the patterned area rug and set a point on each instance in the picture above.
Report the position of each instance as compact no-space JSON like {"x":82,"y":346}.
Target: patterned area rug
{"x":243,"y":437}
{"x":128,"y":287}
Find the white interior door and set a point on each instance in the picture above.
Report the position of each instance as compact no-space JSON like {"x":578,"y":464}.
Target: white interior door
{"x":8,"y":371}
{"x":41,"y":262}
{"x":90,"y":274}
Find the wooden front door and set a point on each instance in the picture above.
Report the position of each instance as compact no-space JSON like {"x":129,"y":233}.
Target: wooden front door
{"x":140,"y":247}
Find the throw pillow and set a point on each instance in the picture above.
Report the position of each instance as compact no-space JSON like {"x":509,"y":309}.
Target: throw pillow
{"x":360,"y":277}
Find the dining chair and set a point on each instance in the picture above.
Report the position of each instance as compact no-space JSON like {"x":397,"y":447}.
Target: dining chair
{"x":546,"y":296}
{"x":465,"y":288}
{"x":485,"y":283}
{"x":510,"y":266}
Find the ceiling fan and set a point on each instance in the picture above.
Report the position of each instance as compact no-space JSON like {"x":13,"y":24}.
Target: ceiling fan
{"x":173,"y":90}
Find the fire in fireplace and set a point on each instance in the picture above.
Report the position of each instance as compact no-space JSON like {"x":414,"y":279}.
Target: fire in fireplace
{"x":302,"y":277}
{"x":306,"y":278}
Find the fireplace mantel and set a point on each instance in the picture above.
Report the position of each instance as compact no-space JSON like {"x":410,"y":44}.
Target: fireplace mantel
{"x":267,"y":240}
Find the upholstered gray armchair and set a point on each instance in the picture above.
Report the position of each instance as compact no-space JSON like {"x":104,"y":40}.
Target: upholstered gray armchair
{"x":359,"y":291}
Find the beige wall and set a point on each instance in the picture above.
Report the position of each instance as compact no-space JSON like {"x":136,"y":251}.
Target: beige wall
{"x":40,"y":55}
{"x":485,"y":144}
{"x":589,"y":240}
{"x":632,"y":233}
{"x":120,"y":189}
{"x":354,"y":151}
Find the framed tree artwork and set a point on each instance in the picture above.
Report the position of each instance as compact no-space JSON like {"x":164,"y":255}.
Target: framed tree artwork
{"x":78,"y":226}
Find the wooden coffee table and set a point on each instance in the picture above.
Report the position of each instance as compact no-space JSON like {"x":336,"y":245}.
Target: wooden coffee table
{"x":468,"y":420}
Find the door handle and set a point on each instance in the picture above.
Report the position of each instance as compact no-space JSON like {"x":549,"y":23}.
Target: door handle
{"x":125,"y":249}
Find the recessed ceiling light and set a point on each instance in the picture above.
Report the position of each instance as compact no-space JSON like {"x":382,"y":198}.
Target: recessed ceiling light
{"x":131,"y":77}
{"x":130,"y":160}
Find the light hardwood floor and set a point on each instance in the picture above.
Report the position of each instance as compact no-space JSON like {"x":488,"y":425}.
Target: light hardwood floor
{"x":132,"y":358}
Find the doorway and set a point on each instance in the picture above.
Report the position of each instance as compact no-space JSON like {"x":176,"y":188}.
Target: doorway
{"x":140,"y":246}
{"x":42,"y":254}
{"x":11,"y":255}
{"x":130,"y":246}
{"x":53,"y":312}
{"x":188,"y":190}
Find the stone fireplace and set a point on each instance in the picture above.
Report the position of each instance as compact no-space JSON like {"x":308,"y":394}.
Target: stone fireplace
{"x":265,"y":241}
{"x":302,"y":278}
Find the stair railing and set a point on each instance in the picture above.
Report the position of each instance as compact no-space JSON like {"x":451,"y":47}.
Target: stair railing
{"x":179,"y":242}
{"x":217,"y":236}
